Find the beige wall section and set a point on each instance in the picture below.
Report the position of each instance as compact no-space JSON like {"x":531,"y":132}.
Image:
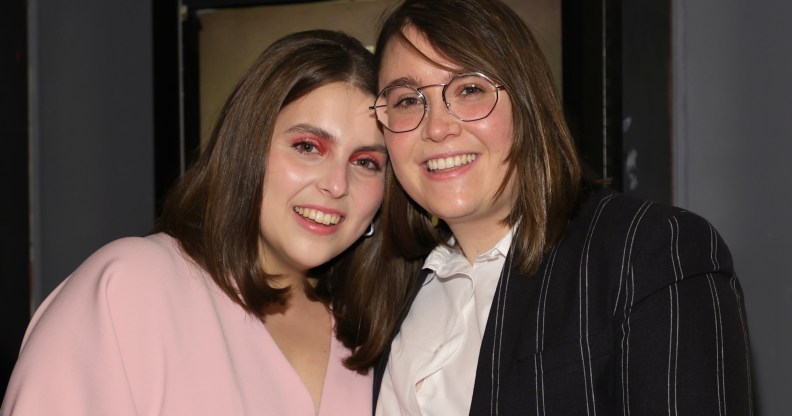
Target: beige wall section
{"x":231,"y":39}
{"x":544,"y":19}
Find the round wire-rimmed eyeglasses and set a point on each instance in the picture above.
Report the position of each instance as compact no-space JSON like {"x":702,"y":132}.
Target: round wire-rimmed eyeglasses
{"x":469,"y":97}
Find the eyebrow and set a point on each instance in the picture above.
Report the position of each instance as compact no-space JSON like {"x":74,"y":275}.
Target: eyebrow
{"x":318,"y":131}
{"x":412,"y":82}
{"x":402,"y":81}
{"x":375,"y":148}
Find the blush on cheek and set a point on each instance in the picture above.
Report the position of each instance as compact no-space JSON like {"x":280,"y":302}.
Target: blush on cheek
{"x":372,"y":195}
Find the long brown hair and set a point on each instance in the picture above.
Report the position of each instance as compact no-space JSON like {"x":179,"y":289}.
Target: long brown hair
{"x":487,"y":36}
{"x":213,"y":210}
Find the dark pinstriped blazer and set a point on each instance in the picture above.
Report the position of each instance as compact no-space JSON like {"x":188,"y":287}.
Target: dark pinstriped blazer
{"x":636,"y":311}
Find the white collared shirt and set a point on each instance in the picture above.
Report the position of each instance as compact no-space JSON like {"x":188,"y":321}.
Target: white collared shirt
{"x":432,"y":365}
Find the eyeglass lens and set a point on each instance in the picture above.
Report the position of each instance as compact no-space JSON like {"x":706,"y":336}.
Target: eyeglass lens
{"x":468,"y":97}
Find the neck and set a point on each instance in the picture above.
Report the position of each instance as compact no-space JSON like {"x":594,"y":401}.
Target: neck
{"x":296,"y":283}
{"x":290,"y":280}
{"x":296,"y":300}
{"x":475,"y":239}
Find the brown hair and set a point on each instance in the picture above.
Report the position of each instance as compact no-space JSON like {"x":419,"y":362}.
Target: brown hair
{"x":213,"y":210}
{"x":487,"y":36}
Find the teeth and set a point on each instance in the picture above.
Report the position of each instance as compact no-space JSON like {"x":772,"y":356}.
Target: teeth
{"x":317,"y":216}
{"x":449,"y":162}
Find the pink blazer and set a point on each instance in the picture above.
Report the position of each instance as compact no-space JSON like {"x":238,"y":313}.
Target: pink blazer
{"x":138,"y":329}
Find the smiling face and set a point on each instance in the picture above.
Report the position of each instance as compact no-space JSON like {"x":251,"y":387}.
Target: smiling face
{"x":324,"y":179}
{"x":451,"y":168}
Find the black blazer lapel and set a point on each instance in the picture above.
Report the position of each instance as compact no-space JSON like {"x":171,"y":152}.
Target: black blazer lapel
{"x":503,"y":336}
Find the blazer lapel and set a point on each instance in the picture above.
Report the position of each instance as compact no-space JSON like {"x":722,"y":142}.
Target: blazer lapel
{"x":502,"y":336}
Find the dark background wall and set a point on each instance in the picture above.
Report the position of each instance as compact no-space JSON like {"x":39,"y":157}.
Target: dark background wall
{"x":76,"y":105}
{"x":14,"y":234}
{"x":733,"y":145}
{"x":91,"y":130}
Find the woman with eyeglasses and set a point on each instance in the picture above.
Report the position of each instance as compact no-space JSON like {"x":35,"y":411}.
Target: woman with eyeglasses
{"x":253,"y":296}
{"x":533,"y":292}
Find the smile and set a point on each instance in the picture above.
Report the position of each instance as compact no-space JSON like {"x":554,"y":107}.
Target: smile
{"x":317,"y":216}
{"x":449,"y":162}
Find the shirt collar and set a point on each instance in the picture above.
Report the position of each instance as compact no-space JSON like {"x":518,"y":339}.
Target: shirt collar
{"x":447,"y":259}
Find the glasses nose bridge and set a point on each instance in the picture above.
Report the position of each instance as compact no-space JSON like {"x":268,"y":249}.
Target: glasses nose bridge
{"x":442,"y":96}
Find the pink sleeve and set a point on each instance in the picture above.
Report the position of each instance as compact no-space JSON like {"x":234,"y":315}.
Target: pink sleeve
{"x":91,"y":339}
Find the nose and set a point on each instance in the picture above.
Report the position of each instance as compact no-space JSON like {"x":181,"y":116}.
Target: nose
{"x":439,"y":123}
{"x":334,"y":182}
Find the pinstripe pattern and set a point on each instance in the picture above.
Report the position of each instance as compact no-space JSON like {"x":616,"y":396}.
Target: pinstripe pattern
{"x":734,"y":286}
{"x":636,"y":311}
{"x":497,"y":340}
{"x":629,"y":294}
{"x":541,"y":310}
{"x":673,"y":338}
{"x":583,"y":298}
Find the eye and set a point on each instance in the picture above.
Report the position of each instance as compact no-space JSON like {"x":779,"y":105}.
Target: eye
{"x":367,"y":163}
{"x":404,"y":99}
{"x":407,"y":102}
{"x":306,"y":146}
{"x":372,"y":161}
{"x":469,"y":91}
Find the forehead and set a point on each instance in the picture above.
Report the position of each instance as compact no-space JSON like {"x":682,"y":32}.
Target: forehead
{"x":414,"y":58}
{"x":339,"y":109}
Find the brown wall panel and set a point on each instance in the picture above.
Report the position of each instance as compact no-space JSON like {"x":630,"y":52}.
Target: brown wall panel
{"x":231,"y":38}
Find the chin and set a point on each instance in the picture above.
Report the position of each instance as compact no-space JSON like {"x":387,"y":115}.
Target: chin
{"x":315,"y":260}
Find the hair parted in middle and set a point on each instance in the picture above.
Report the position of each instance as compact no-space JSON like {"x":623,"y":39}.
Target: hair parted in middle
{"x":489,"y":37}
{"x":214,"y":209}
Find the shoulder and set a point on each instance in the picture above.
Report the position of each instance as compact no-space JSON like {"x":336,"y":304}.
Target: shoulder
{"x":142,"y":259}
{"x":150,"y":270}
{"x":614,"y":208}
{"x":614,"y":216}
{"x":130,"y":286}
{"x":658,"y":243}
{"x":125,"y":274}
{"x":145,"y":252}
{"x":112,"y":323}
{"x":655,"y":229}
